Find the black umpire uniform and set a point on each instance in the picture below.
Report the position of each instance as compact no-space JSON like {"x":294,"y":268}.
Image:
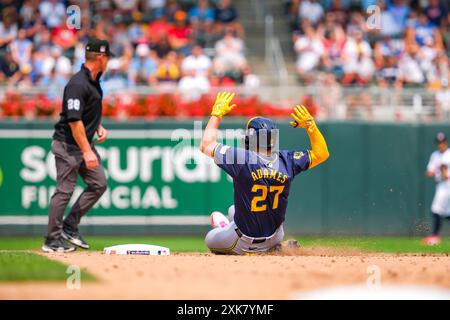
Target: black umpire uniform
{"x":82,"y":100}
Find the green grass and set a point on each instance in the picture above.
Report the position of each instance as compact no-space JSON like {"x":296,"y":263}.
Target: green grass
{"x":174,"y":243}
{"x":196,"y":244}
{"x":27,"y":266}
{"x":378,"y":244}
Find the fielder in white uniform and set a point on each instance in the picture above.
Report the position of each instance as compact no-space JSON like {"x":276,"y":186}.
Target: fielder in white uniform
{"x":438,"y":168}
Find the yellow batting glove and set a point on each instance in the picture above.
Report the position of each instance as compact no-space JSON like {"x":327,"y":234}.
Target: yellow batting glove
{"x":222,"y":105}
{"x":302,"y":118}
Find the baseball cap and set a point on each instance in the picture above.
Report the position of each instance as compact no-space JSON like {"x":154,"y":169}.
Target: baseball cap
{"x":440,"y":137}
{"x":142,"y":50}
{"x":99,"y":46}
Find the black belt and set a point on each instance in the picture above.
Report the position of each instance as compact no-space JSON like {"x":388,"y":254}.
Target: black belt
{"x":255,"y":240}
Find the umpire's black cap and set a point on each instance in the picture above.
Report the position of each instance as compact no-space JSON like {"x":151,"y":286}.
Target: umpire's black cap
{"x":441,"y":137}
{"x":99,"y":46}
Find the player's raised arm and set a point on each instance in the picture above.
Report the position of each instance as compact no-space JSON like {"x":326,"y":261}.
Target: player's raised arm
{"x":303,"y":119}
{"x":220,"y":108}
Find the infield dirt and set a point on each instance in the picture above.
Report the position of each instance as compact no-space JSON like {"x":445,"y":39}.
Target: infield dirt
{"x":207,"y":276}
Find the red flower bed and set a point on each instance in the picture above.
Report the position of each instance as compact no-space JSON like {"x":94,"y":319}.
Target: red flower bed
{"x":129,"y":106}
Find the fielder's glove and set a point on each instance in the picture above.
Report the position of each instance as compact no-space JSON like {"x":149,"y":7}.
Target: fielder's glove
{"x":302,"y":118}
{"x":222,"y":105}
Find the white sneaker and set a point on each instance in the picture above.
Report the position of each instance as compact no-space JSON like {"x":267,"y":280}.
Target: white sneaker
{"x":218,"y":220}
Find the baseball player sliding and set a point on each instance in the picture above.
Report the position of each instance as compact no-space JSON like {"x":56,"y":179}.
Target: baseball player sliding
{"x":438,"y":169}
{"x":262,"y":177}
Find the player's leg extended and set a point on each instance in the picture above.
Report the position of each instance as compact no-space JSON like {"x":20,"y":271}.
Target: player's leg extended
{"x":96,"y":186}
{"x":66,"y":171}
{"x":439,"y":208}
{"x":437,"y":223}
{"x":223,"y":240}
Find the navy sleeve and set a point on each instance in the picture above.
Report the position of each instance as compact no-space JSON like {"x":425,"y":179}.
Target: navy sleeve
{"x":229,"y":159}
{"x":74,"y":102}
{"x":300,"y":160}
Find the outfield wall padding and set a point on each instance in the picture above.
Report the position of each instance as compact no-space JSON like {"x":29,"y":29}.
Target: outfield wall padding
{"x":373,"y":183}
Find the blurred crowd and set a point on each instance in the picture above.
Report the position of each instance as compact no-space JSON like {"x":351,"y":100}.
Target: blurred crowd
{"x":188,"y":44}
{"x":396,"y":43}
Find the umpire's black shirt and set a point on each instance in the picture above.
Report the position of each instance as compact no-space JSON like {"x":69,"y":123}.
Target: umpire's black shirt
{"x":82,"y":100}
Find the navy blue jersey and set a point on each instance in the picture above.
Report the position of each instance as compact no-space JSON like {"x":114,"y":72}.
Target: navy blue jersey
{"x":261,"y":185}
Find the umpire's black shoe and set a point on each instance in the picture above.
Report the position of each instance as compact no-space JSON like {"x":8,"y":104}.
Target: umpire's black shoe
{"x":74,"y":238}
{"x":58,"y":245}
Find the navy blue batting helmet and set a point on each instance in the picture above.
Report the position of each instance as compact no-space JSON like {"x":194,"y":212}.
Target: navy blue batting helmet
{"x":260,"y":132}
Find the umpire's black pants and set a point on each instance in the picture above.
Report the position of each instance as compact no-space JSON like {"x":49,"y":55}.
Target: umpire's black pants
{"x":69,"y":164}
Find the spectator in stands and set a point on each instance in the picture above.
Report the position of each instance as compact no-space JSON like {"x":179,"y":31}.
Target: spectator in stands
{"x":114,"y":79}
{"x":64,"y":37}
{"x":8,"y":68}
{"x":79,"y":56}
{"x":158,"y":28}
{"x":226,"y":12}
{"x":143,"y":67}
{"x":27,"y":11}
{"x":8,"y":28}
{"x":412,"y":47}
{"x":135,"y":34}
{"x":309,"y":51}
{"x":179,"y":33}
{"x":54,"y":82}
{"x":171,"y":9}
{"x":31,"y":19}
{"x":43,"y":41}
{"x":389,"y":27}
{"x":311,"y":10}
{"x":56,"y":62}
{"x":400,"y":10}
{"x":422,"y":30}
{"x":120,"y":44}
{"x":20,"y":77}
{"x":126,"y":7}
{"x":387,"y":73}
{"x":103,"y":9}
{"x":338,"y":12}
{"x":162,"y":47}
{"x":154,"y":7}
{"x":410,"y":73}
{"x":333,"y":44}
{"x":440,"y":68}
{"x":53,"y":12}
{"x":201,"y":18}
{"x":192,"y":86}
{"x":436,"y":12}
{"x":427,"y":56}
{"x":227,"y":15}
{"x":229,"y":54}
{"x":357,"y":56}
{"x":37,"y":63}
{"x":197,"y":62}
{"x":202,"y":15}
{"x":386,"y":53}
{"x":357,"y":23}
{"x":21,"y":49}
{"x":388,"y":47}
{"x":168,"y":71}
